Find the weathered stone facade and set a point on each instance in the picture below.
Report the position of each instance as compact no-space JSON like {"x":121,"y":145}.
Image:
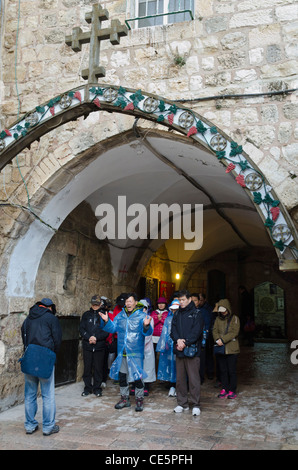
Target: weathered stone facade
{"x":230,"y":48}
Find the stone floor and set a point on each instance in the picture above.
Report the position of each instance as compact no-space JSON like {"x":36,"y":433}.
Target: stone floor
{"x":263,"y":417}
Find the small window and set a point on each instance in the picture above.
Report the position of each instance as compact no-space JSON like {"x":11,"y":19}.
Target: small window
{"x":180,"y":5}
{"x":160,"y":12}
{"x":149,"y":9}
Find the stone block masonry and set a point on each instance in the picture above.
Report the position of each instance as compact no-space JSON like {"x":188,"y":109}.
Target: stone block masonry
{"x":231,"y":47}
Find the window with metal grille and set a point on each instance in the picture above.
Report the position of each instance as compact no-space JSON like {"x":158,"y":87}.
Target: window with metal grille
{"x":160,"y":12}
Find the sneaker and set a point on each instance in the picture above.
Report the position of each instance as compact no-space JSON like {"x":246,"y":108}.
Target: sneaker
{"x":85,"y":394}
{"x":139,"y":404}
{"x":180,"y":409}
{"x":122,"y":403}
{"x":31,"y":431}
{"x":196,"y":411}
{"x":232,"y":395}
{"x":223,"y":394}
{"x":52,"y":431}
{"x":172,"y":392}
{"x":98,"y":393}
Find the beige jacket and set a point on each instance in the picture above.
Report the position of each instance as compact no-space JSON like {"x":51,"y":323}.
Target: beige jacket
{"x":230,"y":339}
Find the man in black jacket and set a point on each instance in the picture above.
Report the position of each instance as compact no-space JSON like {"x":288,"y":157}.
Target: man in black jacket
{"x":187,"y":330}
{"x":94,"y":340}
{"x":41,"y":327}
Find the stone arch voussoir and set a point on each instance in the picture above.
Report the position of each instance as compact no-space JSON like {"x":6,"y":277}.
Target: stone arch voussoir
{"x":85,"y":99}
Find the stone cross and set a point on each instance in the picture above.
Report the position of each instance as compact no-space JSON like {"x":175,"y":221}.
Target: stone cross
{"x":97,"y":34}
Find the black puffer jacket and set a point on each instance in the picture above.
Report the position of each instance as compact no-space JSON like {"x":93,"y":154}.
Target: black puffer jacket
{"x":43,"y":328}
{"x":187,"y":324}
{"x":91,"y":325}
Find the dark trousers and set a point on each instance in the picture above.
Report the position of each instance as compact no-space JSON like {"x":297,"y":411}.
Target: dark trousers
{"x":228,"y":371}
{"x":209,"y":357}
{"x":105,"y":364}
{"x":207,"y":360}
{"x":202,"y":364}
{"x":93,"y":368}
{"x":188,"y":367}
{"x":123,"y":381}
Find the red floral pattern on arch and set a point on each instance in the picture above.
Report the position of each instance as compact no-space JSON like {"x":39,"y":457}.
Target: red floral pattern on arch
{"x":240,"y":180}
{"x":171,"y":118}
{"x":230,"y":167}
{"x":78,"y":96}
{"x":129,"y":107}
{"x":274,"y":212}
{"x":193,"y":130}
{"x":97,"y":102}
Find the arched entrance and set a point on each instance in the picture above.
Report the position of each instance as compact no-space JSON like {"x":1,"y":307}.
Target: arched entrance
{"x":194,"y":163}
{"x":234,"y":173}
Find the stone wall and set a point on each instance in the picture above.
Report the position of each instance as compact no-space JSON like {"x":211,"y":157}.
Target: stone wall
{"x":74,"y":267}
{"x":231,"y":48}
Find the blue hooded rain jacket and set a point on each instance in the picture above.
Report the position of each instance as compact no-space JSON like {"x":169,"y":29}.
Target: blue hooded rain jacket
{"x":131,"y":338}
{"x":167,"y":358}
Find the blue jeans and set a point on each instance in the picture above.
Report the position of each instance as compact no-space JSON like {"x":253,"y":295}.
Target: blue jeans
{"x":47,"y":387}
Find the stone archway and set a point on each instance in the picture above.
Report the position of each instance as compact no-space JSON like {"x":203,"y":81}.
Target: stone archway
{"x":83,"y":100}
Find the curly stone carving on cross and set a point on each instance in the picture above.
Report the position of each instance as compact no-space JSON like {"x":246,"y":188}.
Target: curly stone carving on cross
{"x":95,"y":36}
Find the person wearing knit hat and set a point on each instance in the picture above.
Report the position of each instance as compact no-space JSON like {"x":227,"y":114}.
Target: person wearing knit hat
{"x":225,"y":333}
{"x":41,"y":327}
{"x":94,"y":347}
{"x":159,"y":315}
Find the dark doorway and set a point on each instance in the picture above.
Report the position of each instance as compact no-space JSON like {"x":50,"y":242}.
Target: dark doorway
{"x":67,"y":357}
{"x":269,"y":311}
{"x":216,"y":286}
{"x":148,"y":287}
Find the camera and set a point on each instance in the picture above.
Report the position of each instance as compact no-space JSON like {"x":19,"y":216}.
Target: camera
{"x":106,"y":304}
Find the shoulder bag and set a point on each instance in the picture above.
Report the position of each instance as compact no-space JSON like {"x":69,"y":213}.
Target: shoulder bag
{"x":192,"y":349}
{"x":37,"y":360}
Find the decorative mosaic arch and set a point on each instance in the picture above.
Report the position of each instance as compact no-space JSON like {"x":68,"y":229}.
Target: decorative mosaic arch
{"x":89,"y":98}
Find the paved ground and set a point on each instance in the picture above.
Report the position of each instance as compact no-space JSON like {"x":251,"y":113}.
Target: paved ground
{"x":263,"y":417}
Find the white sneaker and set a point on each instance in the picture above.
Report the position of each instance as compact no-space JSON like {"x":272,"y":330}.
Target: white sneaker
{"x":180,"y":409}
{"x":196,"y":411}
{"x":172,"y":392}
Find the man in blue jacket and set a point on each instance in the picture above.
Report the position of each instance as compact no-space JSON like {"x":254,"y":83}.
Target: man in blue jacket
{"x":41,"y":327}
{"x":131,"y":325}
